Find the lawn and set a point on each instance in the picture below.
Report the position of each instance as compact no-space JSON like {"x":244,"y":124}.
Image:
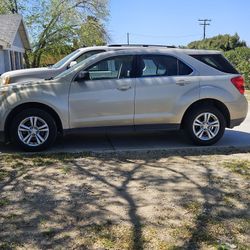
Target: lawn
{"x":149,"y":200}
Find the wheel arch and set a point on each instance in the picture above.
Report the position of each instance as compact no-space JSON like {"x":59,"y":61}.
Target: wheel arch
{"x":208,"y":102}
{"x":29,"y":105}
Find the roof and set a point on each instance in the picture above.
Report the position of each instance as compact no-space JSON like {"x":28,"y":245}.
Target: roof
{"x":150,"y":49}
{"x":10,"y":25}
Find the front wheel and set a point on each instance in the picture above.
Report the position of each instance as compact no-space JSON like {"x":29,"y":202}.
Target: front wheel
{"x":33,"y":130}
{"x":205,"y":125}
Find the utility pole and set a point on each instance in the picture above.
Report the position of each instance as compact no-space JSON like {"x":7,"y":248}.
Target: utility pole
{"x":13,"y":6}
{"x":204,"y":23}
{"x":128,"y":38}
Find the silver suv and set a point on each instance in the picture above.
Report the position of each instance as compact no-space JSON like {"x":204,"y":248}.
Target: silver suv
{"x":140,"y":89}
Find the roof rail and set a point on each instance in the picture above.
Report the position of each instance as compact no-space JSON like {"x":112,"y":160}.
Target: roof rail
{"x":140,"y":45}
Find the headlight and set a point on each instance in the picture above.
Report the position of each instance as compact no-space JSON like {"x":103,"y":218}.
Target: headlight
{"x":6,"y":80}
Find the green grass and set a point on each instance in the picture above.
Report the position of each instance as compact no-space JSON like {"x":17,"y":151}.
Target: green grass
{"x":66,"y":169}
{"x":50,"y":232}
{"x":241,"y":167}
{"x":7,"y":246}
{"x":193,"y":207}
{"x":3,"y":174}
{"x":4,"y":202}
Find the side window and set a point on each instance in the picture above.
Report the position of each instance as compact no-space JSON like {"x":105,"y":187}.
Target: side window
{"x":87,"y":55}
{"x":183,"y":69}
{"x":113,"y":68}
{"x":157,"y":66}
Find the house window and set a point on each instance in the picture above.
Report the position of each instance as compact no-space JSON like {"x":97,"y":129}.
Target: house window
{"x":21,"y":60}
{"x":16,"y":60}
{"x":12,"y":60}
{"x":17,"y":66}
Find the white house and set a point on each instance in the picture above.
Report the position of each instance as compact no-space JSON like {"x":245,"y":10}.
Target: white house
{"x":13,"y":42}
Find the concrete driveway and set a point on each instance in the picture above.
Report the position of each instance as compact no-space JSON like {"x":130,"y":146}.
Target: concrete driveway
{"x":239,"y":137}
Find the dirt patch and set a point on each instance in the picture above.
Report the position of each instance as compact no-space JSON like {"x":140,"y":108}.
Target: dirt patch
{"x":128,"y":201}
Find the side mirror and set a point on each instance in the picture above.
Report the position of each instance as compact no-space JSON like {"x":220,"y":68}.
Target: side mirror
{"x":81,"y":76}
{"x":72,"y":64}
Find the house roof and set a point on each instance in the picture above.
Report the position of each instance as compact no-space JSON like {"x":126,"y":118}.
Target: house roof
{"x":9,"y":26}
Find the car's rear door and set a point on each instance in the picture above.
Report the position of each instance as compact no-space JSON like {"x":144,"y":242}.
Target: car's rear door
{"x":164,"y":88}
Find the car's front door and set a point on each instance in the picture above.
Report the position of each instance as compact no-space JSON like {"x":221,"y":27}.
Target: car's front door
{"x":106,"y":97}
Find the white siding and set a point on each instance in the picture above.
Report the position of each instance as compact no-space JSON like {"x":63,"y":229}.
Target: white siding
{"x":17,"y":44}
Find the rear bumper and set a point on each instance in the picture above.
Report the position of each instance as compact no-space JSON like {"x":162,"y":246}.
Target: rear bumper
{"x":238,"y":111}
{"x":236,"y":122}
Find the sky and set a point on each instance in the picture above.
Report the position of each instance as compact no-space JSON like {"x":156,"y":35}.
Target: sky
{"x":175,"y":22}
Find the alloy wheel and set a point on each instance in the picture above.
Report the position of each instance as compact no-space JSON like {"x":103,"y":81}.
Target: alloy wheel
{"x":33,"y":131}
{"x":206,"y":126}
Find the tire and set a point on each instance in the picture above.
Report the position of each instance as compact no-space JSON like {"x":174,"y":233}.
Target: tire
{"x":205,"y":125}
{"x":33,"y":130}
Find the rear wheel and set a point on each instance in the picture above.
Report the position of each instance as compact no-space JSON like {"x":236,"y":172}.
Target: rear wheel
{"x":33,"y":130}
{"x":205,"y":125}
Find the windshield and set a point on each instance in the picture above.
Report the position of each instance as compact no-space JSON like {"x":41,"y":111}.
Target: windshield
{"x":65,"y":59}
{"x":76,"y":67}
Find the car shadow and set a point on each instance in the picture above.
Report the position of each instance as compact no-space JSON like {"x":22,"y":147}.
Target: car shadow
{"x":174,"y":140}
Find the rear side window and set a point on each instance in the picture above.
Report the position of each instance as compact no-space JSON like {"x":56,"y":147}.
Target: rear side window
{"x":157,"y":65}
{"x":183,"y":69}
{"x":216,"y":61}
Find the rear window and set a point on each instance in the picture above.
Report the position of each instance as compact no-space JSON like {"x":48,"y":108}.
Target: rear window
{"x":216,"y":61}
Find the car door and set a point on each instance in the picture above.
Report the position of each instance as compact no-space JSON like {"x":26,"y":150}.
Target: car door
{"x":106,"y":96}
{"x":164,"y":88}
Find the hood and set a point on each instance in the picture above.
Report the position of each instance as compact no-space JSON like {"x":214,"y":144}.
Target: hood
{"x":20,"y":72}
{"x":22,"y":84}
{"x":24,"y":75}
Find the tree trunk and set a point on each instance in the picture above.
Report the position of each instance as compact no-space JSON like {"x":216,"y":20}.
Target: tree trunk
{"x":36,"y":59}
{"x":26,"y":59}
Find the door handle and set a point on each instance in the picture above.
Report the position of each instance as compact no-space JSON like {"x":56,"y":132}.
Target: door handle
{"x":124,"y":87}
{"x":182,"y":82}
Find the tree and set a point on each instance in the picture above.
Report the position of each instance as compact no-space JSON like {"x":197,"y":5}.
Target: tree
{"x":53,"y":24}
{"x":220,"y":42}
{"x":92,"y":32}
{"x":235,"y":50}
{"x":240,"y":57}
{"x":9,"y":6}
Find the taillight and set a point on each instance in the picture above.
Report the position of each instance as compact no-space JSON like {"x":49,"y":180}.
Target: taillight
{"x":239,"y":83}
